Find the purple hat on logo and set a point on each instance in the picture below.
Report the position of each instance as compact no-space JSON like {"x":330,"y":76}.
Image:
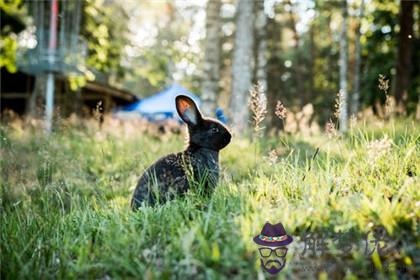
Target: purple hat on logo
{"x":273,"y":236}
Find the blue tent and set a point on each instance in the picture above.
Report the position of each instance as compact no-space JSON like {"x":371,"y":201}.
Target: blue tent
{"x":159,"y":106}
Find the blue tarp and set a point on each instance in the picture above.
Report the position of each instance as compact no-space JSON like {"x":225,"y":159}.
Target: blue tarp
{"x":160,"y":105}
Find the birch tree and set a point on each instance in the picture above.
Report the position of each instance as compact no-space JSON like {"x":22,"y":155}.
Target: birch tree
{"x":210,"y":84}
{"x":298,"y":68}
{"x":261,"y":44}
{"x":242,"y":64}
{"x":356,"y":82}
{"x":343,"y":70}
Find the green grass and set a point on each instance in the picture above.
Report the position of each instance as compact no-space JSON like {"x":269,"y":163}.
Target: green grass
{"x":65,"y":205}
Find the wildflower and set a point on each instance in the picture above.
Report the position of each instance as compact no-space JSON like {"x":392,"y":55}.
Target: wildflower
{"x":281,"y":111}
{"x":258,"y":104}
{"x":378,"y":148}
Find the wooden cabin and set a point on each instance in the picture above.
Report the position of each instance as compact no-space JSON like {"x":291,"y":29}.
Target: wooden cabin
{"x":17,"y":94}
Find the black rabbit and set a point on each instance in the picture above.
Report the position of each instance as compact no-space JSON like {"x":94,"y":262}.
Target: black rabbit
{"x":174,"y":173}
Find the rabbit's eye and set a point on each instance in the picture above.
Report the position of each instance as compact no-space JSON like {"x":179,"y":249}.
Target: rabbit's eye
{"x":214,"y":129}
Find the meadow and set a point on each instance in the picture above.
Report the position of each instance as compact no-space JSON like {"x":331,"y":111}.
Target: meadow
{"x":65,"y":210}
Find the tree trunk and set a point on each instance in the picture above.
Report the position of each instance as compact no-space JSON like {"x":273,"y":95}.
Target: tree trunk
{"x":313,"y":52}
{"x":210,"y":85}
{"x":300,"y":85}
{"x":274,"y":71}
{"x":242,"y":64}
{"x":36,"y":100}
{"x":261,"y":44}
{"x":405,"y":49}
{"x":343,"y":70}
{"x":356,"y":82}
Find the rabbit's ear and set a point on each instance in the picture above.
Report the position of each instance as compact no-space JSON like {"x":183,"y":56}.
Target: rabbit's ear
{"x":187,"y":110}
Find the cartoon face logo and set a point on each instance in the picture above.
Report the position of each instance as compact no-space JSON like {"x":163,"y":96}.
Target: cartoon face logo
{"x":273,"y":259}
{"x":272,"y":247}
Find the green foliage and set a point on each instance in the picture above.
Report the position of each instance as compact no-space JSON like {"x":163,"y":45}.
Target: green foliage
{"x":318,"y":51}
{"x":12,"y":14}
{"x":105,"y":28}
{"x":8,"y":47}
{"x":379,"y":48}
{"x":166,"y":29}
{"x":65,"y":204}
{"x":315,"y":58}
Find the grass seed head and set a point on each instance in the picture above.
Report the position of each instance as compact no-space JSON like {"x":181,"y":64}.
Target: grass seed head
{"x":98,"y":112}
{"x":330,"y":128}
{"x":258,"y":106}
{"x":338,"y":105}
{"x":383,"y":83}
{"x":281,"y":111}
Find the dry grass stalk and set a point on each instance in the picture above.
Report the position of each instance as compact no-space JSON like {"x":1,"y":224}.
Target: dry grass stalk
{"x":338,"y":104}
{"x":258,"y":106}
{"x":98,"y":113}
{"x":383,"y":84}
{"x":281,"y":111}
{"x":330,"y":128}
